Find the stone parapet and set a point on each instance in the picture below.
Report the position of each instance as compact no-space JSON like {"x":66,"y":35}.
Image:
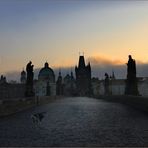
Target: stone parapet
{"x":138,"y":102}
{"x":8,"y":107}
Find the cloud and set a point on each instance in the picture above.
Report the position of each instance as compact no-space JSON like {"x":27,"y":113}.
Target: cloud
{"x":99,"y":65}
{"x":102,"y":64}
{"x":104,"y":61}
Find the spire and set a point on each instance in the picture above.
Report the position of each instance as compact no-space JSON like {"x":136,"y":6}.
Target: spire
{"x":81,"y":61}
{"x":88,"y":64}
{"x":113,"y":75}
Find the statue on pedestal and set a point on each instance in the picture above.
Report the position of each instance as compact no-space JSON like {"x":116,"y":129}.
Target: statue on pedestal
{"x":131,"y":81}
{"x":29,"y":82}
{"x":106,"y":84}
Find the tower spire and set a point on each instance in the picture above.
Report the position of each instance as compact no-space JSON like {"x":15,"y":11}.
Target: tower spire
{"x":81,"y":61}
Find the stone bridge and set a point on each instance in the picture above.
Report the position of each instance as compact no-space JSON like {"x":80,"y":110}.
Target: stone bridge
{"x":77,"y":121}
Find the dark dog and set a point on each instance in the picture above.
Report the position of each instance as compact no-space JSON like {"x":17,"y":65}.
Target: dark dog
{"x":38,"y":117}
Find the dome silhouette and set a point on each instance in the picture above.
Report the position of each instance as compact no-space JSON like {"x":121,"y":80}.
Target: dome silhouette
{"x":46,"y":73}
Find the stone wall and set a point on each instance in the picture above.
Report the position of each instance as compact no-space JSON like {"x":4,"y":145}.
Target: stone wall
{"x":117,"y":87}
{"x":11,"y":106}
{"x":11,"y":91}
{"x":137,"y":102}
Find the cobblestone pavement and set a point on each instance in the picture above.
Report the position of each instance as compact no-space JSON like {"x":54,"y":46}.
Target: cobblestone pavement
{"x":78,"y":121}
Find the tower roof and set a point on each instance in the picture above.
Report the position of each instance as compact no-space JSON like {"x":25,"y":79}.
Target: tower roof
{"x":81,"y":61}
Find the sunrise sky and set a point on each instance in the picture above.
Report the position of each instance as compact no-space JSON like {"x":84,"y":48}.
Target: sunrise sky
{"x":56,"y":31}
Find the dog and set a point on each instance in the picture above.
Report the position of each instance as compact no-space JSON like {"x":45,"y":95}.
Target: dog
{"x":38,"y":117}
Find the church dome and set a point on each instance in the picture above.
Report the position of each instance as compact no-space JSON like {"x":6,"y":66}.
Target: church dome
{"x":46,"y":73}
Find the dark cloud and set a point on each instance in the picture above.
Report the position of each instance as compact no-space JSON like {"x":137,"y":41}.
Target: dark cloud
{"x":99,"y":66}
{"x":103,"y":61}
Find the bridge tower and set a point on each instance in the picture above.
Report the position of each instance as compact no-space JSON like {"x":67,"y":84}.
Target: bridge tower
{"x":83,"y":77}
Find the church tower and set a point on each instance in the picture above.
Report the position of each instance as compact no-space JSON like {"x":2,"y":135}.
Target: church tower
{"x":83,"y":77}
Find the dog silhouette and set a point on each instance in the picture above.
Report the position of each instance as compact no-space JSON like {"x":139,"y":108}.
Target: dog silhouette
{"x":38,"y":117}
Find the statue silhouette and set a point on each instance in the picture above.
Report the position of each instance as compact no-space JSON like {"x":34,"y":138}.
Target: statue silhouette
{"x":29,"y":82}
{"x":131,"y":82}
{"x":131,"y":67}
{"x":106,"y":84}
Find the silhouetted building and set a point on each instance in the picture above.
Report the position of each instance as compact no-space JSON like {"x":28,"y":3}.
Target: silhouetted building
{"x":3,"y":79}
{"x":45,"y":85}
{"x":95,"y":84}
{"x":143,"y":86}
{"x":73,"y":85}
{"x":83,"y":78}
{"x":23,"y":77}
{"x":117,"y":86}
{"x":69,"y":85}
{"x":59,"y":85}
{"x":11,"y":90}
{"x":66,"y":85}
{"x":131,"y":81}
